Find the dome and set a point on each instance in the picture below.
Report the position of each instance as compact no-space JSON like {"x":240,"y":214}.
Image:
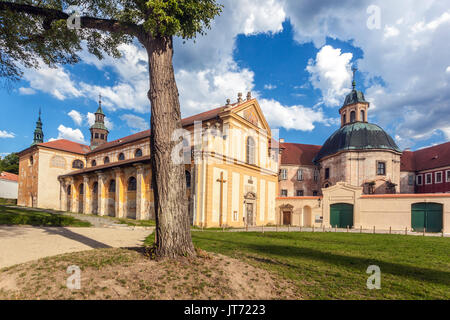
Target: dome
{"x":354,"y":97}
{"x":357,"y":136}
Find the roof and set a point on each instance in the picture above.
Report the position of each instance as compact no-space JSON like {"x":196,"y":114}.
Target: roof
{"x":354,"y":96}
{"x":9,"y":176}
{"x":428,"y":158}
{"x":357,"y":136}
{"x":121,"y":141}
{"x":299,"y":154}
{"x":66,"y":145}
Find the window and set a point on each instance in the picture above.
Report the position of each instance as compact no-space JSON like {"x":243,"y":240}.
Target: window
{"x":102,"y":136}
{"x":106,"y":160}
{"x":69,"y":190}
{"x":352,"y":116}
{"x":327,"y":173}
{"x":96,"y":135}
{"x":250,"y":150}
{"x":410,"y":180}
{"x":81,"y":189}
{"x":31,"y":160}
{"x":448,"y":176}
{"x":93,"y":163}
{"x":438,"y":177}
{"x":188,"y":179}
{"x":58,"y":162}
{"x":300,"y":193}
{"x":362,"y":116}
{"x":112,"y":186}
{"x":138,"y":153}
{"x":283,"y":174}
{"x":300,"y":175}
{"x":95,"y":188}
{"x":132,"y":184}
{"x":315,"y":193}
{"x":344,"y":118}
{"x":428,"y":178}
{"x":284,"y":193}
{"x":381,"y":168}
{"x":77,"y":164}
{"x":121,"y":157}
{"x":316,"y":175}
{"x":419,"y":181}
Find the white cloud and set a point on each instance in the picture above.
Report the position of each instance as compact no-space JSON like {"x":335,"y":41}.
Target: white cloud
{"x":270,"y":86}
{"x":26,"y":91}
{"x":69,"y":134}
{"x":5,"y":134}
{"x":330,"y":73}
{"x":135,"y":122}
{"x":390,"y":31}
{"x":90,"y":119}
{"x":76,"y":117}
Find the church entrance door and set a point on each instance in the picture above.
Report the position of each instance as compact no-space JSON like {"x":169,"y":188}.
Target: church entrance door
{"x":249,"y":218}
{"x":286,"y":218}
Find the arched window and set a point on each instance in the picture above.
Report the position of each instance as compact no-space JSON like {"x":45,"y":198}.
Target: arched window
{"x":344,"y":118}
{"x":93,"y":163}
{"x":31,"y":160}
{"x":362,"y":116}
{"x":121,"y":157}
{"x":250,"y":150}
{"x":95,"y":188}
{"x":138,"y":153}
{"x":69,"y":190}
{"x":58,"y":162}
{"x":132,"y":185}
{"x":352,"y":116}
{"x":106,"y":160}
{"x":188,"y":179}
{"x":112,"y":186}
{"x":77,"y":164}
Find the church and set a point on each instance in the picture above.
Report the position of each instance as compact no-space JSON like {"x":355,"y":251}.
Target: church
{"x":238,"y":175}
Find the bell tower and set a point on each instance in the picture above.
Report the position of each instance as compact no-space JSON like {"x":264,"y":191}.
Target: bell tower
{"x":355,"y":106}
{"x":38,"y":133}
{"x":99,"y":132}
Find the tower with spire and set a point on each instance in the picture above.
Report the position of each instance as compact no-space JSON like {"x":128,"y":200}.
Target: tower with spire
{"x":99,"y":132}
{"x":38,"y":133}
{"x":355,"y":105}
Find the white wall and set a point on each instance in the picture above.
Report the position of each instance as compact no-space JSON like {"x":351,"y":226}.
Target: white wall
{"x":8,"y":189}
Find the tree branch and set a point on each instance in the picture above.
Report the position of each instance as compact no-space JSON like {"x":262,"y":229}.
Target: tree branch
{"x":50,"y":15}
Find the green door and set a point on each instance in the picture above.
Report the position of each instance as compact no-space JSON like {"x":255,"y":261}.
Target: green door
{"x":341,"y":215}
{"x":426,"y":216}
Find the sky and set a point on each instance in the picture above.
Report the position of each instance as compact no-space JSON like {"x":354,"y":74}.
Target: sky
{"x":294,"y":56}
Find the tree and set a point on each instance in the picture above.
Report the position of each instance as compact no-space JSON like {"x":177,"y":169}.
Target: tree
{"x":10,"y":163}
{"x":33,"y":31}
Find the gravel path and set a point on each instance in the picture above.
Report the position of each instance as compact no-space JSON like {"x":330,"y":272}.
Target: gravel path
{"x":21,"y":244}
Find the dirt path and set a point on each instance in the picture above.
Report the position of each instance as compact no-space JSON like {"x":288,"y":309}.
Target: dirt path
{"x":21,"y":244}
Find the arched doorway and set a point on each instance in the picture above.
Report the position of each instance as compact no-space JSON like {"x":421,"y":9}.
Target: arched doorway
{"x":112,"y":198}
{"x":286,"y":214}
{"x":341,"y":215}
{"x":307,"y":216}
{"x":69,"y":198}
{"x":426,"y":216}
{"x":95,"y":198}
{"x":80,"y":198}
{"x":131,"y":198}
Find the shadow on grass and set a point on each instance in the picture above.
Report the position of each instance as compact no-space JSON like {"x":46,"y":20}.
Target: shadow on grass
{"x":359,"y":263}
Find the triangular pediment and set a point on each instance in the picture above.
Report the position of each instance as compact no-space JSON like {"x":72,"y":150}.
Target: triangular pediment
{"x":250,"y":112}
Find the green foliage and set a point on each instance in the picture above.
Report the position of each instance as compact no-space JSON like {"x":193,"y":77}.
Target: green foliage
{"x":10,"y":163}
{"x":39,"y":34}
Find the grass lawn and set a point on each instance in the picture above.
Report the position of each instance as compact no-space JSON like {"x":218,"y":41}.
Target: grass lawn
{"x":15,"y":216}
{"x":333,"y":266}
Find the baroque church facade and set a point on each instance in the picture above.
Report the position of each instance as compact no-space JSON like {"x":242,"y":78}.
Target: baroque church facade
{"x":238,"y":175}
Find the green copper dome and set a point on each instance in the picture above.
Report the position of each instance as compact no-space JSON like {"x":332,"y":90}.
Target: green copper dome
{"x":357,"y":136}
{"x":354,"y":97}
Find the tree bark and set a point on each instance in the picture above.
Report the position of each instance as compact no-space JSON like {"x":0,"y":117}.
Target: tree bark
{"x":173,"y":232}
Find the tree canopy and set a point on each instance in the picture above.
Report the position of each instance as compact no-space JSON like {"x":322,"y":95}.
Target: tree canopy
{"x":35,"y":31}
{"x":10,"y":163}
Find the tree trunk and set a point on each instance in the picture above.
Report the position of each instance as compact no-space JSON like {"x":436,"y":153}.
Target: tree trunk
{"x":173,"y":232}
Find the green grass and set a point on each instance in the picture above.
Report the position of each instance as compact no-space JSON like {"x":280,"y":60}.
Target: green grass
{"x":16,"y":216}
{"x":4,"y":201}
{"x":136,"y":223}
{"x":333,"y":266}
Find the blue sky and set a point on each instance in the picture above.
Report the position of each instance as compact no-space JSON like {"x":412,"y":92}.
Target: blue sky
{"x":295,"y":57}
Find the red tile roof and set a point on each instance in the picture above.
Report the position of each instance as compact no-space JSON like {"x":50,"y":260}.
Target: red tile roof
{"x":121,"y":141}
{"x":9,"y":176}
{"x":432,"y":157}
{"x":66,"y":145}
{"x":299,"y":154}
{"x":407,"y":162}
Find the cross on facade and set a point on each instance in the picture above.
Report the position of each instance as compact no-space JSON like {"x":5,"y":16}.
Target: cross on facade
{"x":222,"y":182}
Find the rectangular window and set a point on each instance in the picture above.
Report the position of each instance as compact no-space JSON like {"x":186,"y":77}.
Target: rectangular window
{"x":429,"y":178}
{"x":300,"y":175}
{"x":327,"y":173}
{"x":381,"y":168}
{"x":316,"y":175}
{"x":438,"y":177}
{"x":315,"y":193}
{"x":419,"y":178}
{"x":284,"y":193}
{"x":96,"y":136}
{"x":300,"y":193}
{"x":447,"y":173}
{"x":410,"y":180}
{"x":283,"y":174}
